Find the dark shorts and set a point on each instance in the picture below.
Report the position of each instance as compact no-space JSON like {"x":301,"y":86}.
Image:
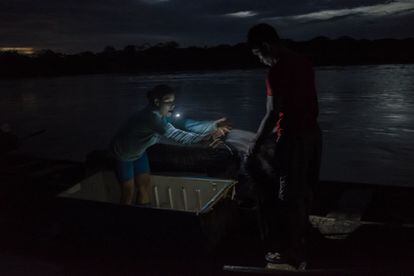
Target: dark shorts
{"x":297,"y":162}
{"x":126,"y":170}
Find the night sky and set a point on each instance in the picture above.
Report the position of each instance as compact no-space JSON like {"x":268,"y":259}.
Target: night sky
{"x":79,"y":25}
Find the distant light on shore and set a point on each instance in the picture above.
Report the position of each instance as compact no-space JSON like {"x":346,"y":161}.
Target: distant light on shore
{"x":20,"y":50}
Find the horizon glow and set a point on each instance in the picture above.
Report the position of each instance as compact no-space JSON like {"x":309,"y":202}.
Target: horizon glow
{"x":20,"y":50}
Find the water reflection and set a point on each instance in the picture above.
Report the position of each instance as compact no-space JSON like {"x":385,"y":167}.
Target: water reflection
{"x":365,"y":111}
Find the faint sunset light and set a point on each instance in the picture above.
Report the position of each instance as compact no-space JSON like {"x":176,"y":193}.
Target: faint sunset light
{"x":241,"y":14}
{"x":20,"y":50}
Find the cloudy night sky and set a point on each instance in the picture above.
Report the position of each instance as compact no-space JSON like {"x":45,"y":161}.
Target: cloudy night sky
{"x":79,"y":25}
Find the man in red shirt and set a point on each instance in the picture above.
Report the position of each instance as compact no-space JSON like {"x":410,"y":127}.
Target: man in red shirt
{"x":291,"y":127}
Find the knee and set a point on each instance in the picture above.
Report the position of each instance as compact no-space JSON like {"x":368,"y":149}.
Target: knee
{"x":143,"y":180}
{"x":127,"y":185}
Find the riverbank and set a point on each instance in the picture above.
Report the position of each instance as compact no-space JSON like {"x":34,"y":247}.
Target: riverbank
{"x":165,"y":57}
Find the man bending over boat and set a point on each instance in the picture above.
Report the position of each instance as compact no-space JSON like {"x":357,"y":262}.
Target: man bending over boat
{"x":144,"y":129}
{"x":291,"y":126}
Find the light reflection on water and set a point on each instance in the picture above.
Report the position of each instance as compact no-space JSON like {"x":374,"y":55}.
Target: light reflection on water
{"x":366,"y":112}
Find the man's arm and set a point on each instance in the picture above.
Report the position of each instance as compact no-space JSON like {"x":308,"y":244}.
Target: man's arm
{"x":268,"y":123}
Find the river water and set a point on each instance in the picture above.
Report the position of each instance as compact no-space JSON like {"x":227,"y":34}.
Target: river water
{"x":366,"y":113}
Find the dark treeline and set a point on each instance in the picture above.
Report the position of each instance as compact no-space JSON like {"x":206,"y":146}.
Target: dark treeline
{"x":169,"y":56}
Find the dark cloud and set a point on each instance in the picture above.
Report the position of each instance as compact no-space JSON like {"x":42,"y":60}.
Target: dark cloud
{"x":74,"y":25}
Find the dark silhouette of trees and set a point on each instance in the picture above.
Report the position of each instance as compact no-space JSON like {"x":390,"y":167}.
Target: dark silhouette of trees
{"x":169,"y":56}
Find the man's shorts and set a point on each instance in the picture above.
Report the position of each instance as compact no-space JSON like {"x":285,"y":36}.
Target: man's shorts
{"x":126,"y":170}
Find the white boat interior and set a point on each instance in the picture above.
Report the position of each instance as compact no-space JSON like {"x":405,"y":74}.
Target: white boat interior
{"x":183,"y":193}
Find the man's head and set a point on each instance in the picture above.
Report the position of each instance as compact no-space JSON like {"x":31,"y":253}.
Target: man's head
{"x":264,"y":41}
{"x":162,"y":98}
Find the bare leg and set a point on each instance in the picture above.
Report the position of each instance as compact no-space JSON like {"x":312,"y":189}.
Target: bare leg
{"x":143,"y":184}
{"x":127,"y":192}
